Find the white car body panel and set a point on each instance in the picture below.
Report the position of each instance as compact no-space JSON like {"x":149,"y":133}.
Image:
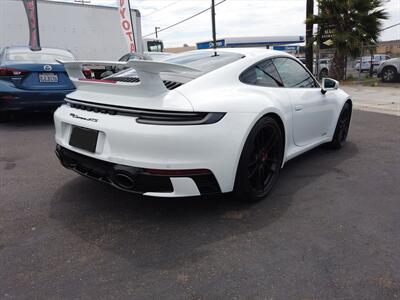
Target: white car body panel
{"x":308,"y":116}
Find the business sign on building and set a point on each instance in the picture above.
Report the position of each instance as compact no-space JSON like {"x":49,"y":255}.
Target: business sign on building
{"x":210,"y":44}
{"x":287,"y":48}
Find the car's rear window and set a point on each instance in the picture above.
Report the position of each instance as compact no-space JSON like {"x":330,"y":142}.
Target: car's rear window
{"x":205,"y":61}
{"x":43,"y":56}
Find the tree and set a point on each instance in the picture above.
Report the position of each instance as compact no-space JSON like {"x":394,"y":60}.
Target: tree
{"x":352,"y":22}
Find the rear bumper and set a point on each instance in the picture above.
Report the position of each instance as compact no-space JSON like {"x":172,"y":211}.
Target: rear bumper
{"x":122,"y":141}
{"x":138,"y":180}
{"x":31,"y":100}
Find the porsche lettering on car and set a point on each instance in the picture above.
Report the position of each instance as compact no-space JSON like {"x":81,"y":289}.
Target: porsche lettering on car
{"x":198,"y":123}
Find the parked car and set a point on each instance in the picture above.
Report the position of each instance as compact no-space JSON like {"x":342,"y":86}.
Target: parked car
{"x":366,"y":62}
{"x":199,"y":123}
{"x":389,"y":70}
{"x":32,"y":80}
{"x":323,"y":69}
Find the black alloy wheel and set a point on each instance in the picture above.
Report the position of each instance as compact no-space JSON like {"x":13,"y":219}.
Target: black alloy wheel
{"x":342,"y":127}
{"x":4,"y":116}
{"x":260,"y":162}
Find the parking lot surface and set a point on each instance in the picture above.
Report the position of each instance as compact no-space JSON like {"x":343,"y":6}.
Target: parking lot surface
{"x":330,"y":229}
{"x":385,"y":99}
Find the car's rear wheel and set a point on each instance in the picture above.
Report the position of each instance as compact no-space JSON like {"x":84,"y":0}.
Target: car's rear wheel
{"x":4,"y":116}
{"x":260,"y":161}
{"x":389,"y":74}
{"x":342,"y":127}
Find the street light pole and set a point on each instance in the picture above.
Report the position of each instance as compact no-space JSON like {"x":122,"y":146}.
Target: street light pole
{"x":309,"y":35}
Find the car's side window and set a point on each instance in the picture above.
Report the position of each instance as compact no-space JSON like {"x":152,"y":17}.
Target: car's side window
{"x":262,"y":74}
{"x":293,"y":74}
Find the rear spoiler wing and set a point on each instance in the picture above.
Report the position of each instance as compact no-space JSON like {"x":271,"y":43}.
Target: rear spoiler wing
{"x":147,"y":71}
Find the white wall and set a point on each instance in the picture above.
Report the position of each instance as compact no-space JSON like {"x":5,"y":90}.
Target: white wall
{"x":90,"y":32}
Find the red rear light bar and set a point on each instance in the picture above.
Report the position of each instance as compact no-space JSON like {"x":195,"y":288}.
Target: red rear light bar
{"x":184,"y":172}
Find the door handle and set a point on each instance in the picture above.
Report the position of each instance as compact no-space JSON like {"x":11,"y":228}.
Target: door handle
{"x":298,"y":108}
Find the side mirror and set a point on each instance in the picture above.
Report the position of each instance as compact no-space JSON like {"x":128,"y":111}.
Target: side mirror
{"x":329,"y":84}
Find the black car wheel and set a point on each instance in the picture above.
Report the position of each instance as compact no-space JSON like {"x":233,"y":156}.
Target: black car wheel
{"x":260,"y":162}
{"x":389,"y":74}
{"x":4,"y":116}
{"x":342,"y":127}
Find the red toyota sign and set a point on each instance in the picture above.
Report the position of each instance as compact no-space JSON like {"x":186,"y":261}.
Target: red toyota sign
{"x":126,"y":24}
{"x":31,"y":13}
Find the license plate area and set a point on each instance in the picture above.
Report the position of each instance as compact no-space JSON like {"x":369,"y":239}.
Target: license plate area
{"x":48,"y":78}
{"x":84,"y":138}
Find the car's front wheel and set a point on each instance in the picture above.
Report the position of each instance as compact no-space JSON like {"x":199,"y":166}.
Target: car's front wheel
{"x":389,"y":74}
{"x":342,"y":127}
{"x":260,"y":161}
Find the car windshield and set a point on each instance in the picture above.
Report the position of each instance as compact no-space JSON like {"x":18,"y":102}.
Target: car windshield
{"x":42,"y":56}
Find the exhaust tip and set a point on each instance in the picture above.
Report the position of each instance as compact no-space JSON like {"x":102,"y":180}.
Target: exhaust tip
{"x":123,"y":180}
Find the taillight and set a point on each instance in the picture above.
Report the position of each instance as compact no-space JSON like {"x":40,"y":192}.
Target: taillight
{"x":12,"y":72}
{"x":182,"y":172}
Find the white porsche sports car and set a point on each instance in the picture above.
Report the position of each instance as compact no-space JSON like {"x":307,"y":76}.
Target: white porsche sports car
{"x":197,"y":123}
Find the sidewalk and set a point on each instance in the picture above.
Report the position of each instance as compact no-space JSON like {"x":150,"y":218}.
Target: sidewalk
{"x":382,"y":99}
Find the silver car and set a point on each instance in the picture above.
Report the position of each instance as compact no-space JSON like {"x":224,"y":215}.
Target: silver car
{"x":389,"y":70}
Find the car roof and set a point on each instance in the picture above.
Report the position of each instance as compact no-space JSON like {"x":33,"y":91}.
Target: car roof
{"x":247,"y":52}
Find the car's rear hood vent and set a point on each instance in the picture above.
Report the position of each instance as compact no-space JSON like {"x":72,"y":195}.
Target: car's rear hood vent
{"x":168,"y":84}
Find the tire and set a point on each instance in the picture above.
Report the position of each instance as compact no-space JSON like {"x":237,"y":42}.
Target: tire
{"x":389,"y":74}
{"x":4,"y":116}
{"x":260,"y":161}
{"x":323,"y":73}
{"x":342,"y":127}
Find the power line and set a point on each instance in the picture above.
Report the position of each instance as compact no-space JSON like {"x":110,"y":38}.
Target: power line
{"x":162,"y":8}
{"x":394,"y":25}
{"x":184,"y":20}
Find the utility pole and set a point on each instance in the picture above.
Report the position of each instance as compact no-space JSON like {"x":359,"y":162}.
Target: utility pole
{"x":309,"y":35}
{"x":318,"y":49}
{"x":214,"y":34}
{"x":156,"y":30}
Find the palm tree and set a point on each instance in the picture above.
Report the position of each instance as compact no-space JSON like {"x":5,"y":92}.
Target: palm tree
{"x":352,"y":22}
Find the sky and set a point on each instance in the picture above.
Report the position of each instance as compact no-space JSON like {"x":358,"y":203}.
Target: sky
{"x":233,"y":18}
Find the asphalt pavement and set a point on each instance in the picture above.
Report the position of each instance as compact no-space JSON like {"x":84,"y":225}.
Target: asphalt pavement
{"x":329,"y":230}
{"x":384,"y":99}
